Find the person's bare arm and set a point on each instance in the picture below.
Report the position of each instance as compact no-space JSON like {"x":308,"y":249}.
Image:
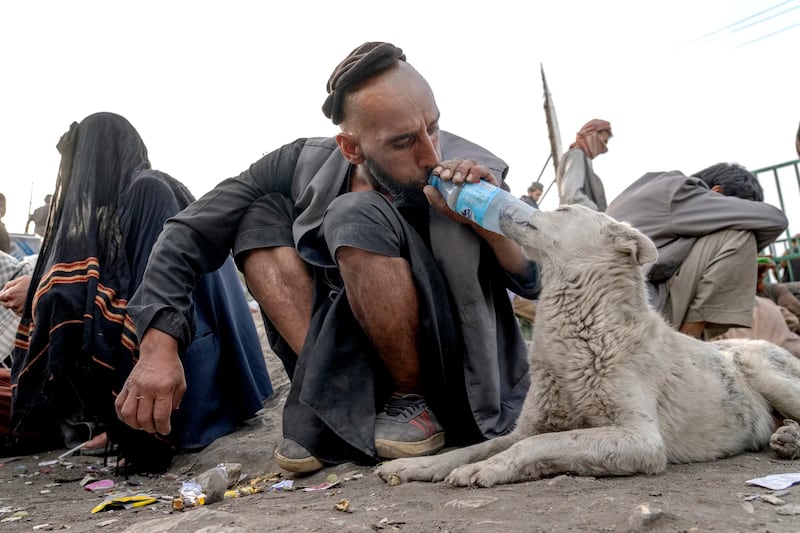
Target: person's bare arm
{"x":154,"y":387}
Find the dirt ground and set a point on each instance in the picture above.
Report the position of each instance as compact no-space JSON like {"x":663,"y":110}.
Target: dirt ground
{"x":36,"y":495}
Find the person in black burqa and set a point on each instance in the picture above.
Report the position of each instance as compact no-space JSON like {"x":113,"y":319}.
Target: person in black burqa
{"x":76,"y":343}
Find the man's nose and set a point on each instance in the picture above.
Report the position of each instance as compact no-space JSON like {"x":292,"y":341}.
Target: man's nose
{"x":428,"y":155}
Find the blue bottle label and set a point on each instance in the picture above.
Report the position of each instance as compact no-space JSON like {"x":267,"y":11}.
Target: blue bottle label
{"x":475,"y":199}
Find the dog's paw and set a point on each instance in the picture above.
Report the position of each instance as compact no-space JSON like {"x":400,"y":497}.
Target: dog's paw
{"x":483,"y":474}
{"x":786,"y":440}
{"x":412,"y":469}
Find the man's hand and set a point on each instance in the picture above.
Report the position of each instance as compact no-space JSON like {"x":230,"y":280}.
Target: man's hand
{"x":155,"y":387}
{"x":461,"y":170}
{"x":509,"y":253}
{"x":14,"y":293}
{"x":458,"y":171}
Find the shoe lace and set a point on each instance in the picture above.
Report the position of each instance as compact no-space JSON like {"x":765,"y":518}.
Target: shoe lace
{"x":404,"y":405}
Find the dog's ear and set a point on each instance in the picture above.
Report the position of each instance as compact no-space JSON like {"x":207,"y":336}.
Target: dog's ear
{"x":630,"y":241}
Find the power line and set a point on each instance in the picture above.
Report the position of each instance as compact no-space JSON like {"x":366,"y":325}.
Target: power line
{"x":740,"y":21}
{"x":765,"y":19}
{"x":770,"y":34}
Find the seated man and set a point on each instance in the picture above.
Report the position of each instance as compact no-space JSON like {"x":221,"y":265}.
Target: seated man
{"x":768,"y":325}
{"x":708,"y":228}
{"x":390,"y":316}
{"x":11,"y":269}
{"x":779,"y":294}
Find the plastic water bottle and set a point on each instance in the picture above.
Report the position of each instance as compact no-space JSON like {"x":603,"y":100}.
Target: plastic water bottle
{"x":481,"y":202}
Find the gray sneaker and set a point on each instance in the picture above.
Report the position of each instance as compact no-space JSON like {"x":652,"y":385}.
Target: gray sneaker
{"x":407,"y":428}
{"x":293,"y":457}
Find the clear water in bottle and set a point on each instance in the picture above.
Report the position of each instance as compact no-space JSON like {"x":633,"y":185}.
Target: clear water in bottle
{"x":480,"y":202}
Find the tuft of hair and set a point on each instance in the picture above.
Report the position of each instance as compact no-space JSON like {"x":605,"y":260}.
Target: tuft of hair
{"x":734,"y":179}
{"x":363,"y":62}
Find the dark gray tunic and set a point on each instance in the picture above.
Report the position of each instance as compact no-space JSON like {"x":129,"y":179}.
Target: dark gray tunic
{"x":332,"y":411}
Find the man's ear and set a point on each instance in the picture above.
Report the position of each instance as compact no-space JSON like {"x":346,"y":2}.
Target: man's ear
{"x":717,"y":188}
{"x":349,"y":148}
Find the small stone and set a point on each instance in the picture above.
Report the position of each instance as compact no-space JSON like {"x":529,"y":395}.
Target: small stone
{"x":769,"y":498}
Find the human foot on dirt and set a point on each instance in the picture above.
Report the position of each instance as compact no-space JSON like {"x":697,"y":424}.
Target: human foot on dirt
{"x":98,"y":442}
{"x":294,"y":457}
{"x":406,"y":427}
{"x":786,"y":440}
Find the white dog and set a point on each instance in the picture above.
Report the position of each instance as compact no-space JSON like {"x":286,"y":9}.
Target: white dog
{"x":614,"y":389}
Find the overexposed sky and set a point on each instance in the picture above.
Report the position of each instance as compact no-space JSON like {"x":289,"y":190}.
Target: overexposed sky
{"x":211,"y":86}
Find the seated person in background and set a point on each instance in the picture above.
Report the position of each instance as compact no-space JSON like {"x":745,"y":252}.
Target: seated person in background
{"x":10,"y":269}
{"x":767,"y":325}
{"x":779,"y":293}
{"x":790,"y":268}
{"x":76,"y":343}
{"x":11,"y":272}
{"x":577,"y":182}
{"x":708,"y":229}
{"x":388,"y":309}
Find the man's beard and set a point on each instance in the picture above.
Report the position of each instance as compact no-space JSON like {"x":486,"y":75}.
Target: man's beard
{"x":401,"y":194}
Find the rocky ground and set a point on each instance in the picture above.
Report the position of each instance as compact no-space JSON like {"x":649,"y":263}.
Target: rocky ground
{"x":41,"y":493}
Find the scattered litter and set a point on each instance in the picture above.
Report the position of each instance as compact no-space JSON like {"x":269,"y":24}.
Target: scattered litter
{"x":49,"y":463}
{"x":124,"y":500}
{"x":6,"y":460}
{"x":343,"y":506}
{"x":105,"y":523}
{"x":19,"y":515}
{"x":321,"y":486}
{"x":355,"y":474}
{"x":286,"y":484}
{"x":71,"y":452}
{"x":51,"y":485}
{"x":214,"y":482}
{"x":88,"y":478}
{"x":20,"y":468}
{"x":748,"y":507}
{"x":383,"y":523}
{"x":393,"y":480}
{"x":776,"y":481}
{"x":171,"y":477}
{"x":190,"y":495}
{"x":43,"y":527}
{"x":4,"y":510}
{"x":45,"y":491}
{"x":103,"y":484}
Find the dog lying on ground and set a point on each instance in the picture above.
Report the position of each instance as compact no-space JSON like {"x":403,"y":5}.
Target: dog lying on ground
{"x":614,"y":389}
